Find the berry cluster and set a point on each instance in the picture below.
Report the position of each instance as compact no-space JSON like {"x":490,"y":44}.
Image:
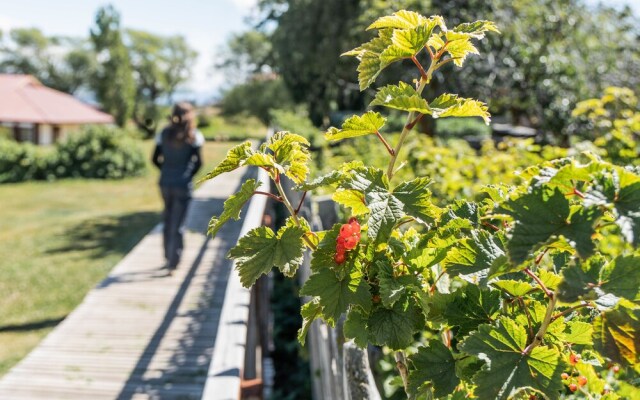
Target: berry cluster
{"x":574,"y":383}
{"x":347,"y":239}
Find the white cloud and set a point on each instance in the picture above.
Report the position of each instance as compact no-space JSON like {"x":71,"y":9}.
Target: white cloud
{"x":245,"y":4}
{"x":6,"y":23}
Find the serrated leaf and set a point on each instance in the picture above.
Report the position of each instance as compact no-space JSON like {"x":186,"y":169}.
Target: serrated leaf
{"x":402,"y":19}
{"x":394,"y":327}
{"x":579,"y":280}
{"x":416,"y":200}
{"x":459,"y":46}
{"x":310,"y":312}
{"x":412,"y":40}
{"x":261,"y":249}
{"x":291,"y":152}
{"x":401,"y":97}
{"x":435,"y":364}
{"x":473,"y":254}
{"x":508,"y":369}
{"x":621,"y":277}
{"x":450,"y":105}
{"x":544,"y":213}
{"x":616,"y":334}
{"x":393,"y":288}
{"x":477,"y":29}
{"x":513,"y":288}
{"x":355,"y":327}
{"x":233,"y":206}
{"x":367,"y":124}
{"x":336,"y":294}
{"x":579,"y":333}
{"x":470,"y":307}
{"x":332,"y":178}
{"x":369,"y":55}
{"x":351,"y":199}
{"x":234,"y":159}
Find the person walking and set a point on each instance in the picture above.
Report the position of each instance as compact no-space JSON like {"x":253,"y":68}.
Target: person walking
{"x":177,"y":154}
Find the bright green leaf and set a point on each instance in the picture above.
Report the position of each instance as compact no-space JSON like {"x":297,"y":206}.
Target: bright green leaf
{"x":310,"y":312}
{"x":352,"y":199}
{"x":234,"y":159}
{"x":416,"y":200}
{"x":401,"y":97}
{"x":616,"y":334}
{"x":232,"y":206}
{"x":579,"y":333}
{"x":367,"y":124}
{"x":459,"y":46}
{"x":477,"y":29}
{"x":402,"y":19}
{"x":513,"y":288}
{"x":450,"y":105}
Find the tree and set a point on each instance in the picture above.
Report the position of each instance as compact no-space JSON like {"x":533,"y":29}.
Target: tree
{"x":159,"y":65}
{"x":63,"y":63}
{"x":113,"y":81}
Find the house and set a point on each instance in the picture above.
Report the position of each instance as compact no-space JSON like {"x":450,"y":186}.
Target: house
{"x":41,"y":115}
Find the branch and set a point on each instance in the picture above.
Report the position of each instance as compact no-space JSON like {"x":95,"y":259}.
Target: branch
{"x":423,"y":73}
{"x":386,"y":144}
{"x":539,"y":282}
{"x":526,"y":312}
{"x":571,"y":309}
{"x":273,"y":196}
{"x":301,"y":201}
{"x":413,"y":123}
{"x":401,"y":364}
{"x":537,"y":339}
{"x":293,"y":213}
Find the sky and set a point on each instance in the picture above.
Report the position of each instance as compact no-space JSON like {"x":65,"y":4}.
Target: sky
{"x":206,"y":24}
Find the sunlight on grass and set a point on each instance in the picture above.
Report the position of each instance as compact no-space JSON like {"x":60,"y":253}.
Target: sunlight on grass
{"x":59,"y":239}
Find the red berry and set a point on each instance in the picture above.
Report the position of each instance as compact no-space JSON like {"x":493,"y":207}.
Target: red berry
{"x":350,"y":243}
{"x":532,"y":397}
{"x":355,"y":225}
{"x":573,"y":387}
{"x":339,"y":258}
{"x":346,"y":230}
{"x":564,"y":376}
{"x":616,"y":369}
{"x":375,"y":299}
{"x":582,"y":380}
{"x":574,"y":358}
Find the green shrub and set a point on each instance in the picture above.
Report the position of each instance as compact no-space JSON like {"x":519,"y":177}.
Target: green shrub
{"x":299,"y":122}
{"x":17,"y":161}
{"x":99,"y":152}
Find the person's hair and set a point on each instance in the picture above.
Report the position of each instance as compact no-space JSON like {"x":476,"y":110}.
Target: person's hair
{"x":183,"y":122}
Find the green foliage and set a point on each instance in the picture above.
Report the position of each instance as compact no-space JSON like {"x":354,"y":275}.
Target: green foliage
{"x":492,"y":298}
{"x":22,"y":162}
{"x":257,"y":97}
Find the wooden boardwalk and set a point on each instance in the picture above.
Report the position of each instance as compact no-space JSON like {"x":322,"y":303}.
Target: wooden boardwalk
{"x":140,"y":334}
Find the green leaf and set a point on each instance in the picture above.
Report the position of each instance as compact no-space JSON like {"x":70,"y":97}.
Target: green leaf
{"x":351,"y":199}
{"x":433,"y":364}
{"x":459,"y":46}
{"x":477,"y":29}
{"x":402,"y":19}
{"x":367,"y":124}
{"x":335,"y":294}
{"x":416,"y":200}
{"x":470,"y":307}
{"x":616,"y":334}
{"x":291,"y":152}
{"x":579,"y":333}
{"x":233,"y":206}
{"x":473,"y":254}
{"x":394,"y":327}
{"x":355,"y":327}
{"x":621,"y":277}
{"x":513,"y":288}
{"x":401,"y":97}
{"x":412,"y":40}
{"x":543,"y":214}
{"x":369,"y":55}
{"x":508,"y":370}
{"x":260,"y":249}
{"x":450,"y":105}
{"x":310,"y":312}
{"x":332,"y":178}
{"x":393,"y":288}
{"x":234,"y":159}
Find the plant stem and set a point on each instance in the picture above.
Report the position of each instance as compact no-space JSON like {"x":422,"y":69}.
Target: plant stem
{"x":301,"y":202}
{"x":406,"y":129}
{"x":526,"y":312}
{"x":539,"y":282}
{"x":401,"y":364}
{"x":571,"y":309}
{"x":386,"y":144}
{"x":537,"y":339}
{"x":271,"y":195}
{"x":287,"y":204}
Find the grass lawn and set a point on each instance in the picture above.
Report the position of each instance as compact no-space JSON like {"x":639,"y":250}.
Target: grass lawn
{"x":59,"y":239}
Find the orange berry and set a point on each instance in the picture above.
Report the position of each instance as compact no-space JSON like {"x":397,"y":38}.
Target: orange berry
{"x":574,"y":358}
{"x":564,"y":376}
{"x":573,"y":387}
{"x":350,"y":243}
{"x":616,"y":369}
{"x":339,"y":258}
{"x":582,"y":380}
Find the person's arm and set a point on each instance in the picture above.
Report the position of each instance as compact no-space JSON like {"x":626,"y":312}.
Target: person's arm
{"x":157,"y":156}
{"x":157,"y":152}
{"x":197,"y":160}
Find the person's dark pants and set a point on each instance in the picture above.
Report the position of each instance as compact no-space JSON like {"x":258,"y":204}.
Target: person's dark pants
{"x":176,"y":201}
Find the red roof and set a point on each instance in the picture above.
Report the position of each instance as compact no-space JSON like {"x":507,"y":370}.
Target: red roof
{"x":24,"y":99}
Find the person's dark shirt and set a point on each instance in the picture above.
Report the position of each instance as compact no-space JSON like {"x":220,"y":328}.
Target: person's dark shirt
{"x":177,"y":160}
